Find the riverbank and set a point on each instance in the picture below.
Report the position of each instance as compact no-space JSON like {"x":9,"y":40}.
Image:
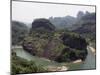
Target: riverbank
{"x":55,"y":68}
{"x":14,"y":47}
{"x":77,"y":61}
{"x":92,"y":50}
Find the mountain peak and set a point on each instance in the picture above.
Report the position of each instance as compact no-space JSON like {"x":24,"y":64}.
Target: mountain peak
{"x":42,"y":24}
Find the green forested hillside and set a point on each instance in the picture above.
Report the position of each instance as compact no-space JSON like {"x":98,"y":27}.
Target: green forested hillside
{"x":19,"y":31}
{"x":86,"y":27}
{"x":47,"y":42}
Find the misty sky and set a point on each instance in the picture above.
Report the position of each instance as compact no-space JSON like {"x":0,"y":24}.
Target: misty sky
{"x":28,"y":11}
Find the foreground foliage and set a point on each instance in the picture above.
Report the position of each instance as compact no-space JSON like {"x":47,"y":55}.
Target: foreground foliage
{"x":21,"y":66}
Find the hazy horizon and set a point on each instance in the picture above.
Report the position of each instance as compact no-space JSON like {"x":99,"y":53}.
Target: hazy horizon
{"x":27,"y":12}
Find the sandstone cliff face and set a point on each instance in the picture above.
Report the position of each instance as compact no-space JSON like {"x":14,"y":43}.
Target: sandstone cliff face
{"x":42,"y":24}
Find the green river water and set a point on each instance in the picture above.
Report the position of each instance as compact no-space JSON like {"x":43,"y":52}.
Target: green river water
{"x":89,"y":63}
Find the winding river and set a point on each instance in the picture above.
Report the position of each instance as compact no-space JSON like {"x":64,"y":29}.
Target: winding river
{"x":89,"y":63}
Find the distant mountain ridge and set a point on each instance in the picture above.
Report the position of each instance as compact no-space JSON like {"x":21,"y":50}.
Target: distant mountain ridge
{"x":63,"y":22}
{"x":86,"y":26}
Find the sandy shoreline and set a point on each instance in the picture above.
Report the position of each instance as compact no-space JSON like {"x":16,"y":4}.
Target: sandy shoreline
{"x":55,"y":68}
{"x":64,"y":67}
{"x":77,"y":61}
{"x":92,"y":49}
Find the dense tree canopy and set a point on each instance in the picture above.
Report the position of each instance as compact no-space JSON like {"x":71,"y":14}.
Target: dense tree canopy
{"x":52,"y":44}
{"x":19,"y":30}
{"x":42,"y":25}
{"x":22,"y":66}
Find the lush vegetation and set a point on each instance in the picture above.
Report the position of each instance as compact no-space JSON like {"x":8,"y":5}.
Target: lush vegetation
{"x":22,"y":66}
{"x":75,"y":47}
{"x":52,"y":43}
{"x":46,"y":38}
{"x":42,"y":24}
{"x":19,"y":31}
{"x":86,"y":27}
